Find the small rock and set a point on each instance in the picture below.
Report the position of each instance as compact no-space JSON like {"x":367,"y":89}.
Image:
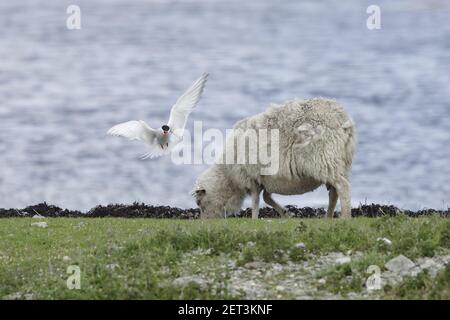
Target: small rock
{"x":231,"y":264}
{"x":255,"y":265}
{"x":343,"y":260}
{"x":322,"y":281}
{"x":19,"y":296}
{"x":352,"y":295}
{"x":38,"y":216}
{"x":279,"y":288}
{"x":386,"y":241}
{"x":112,"y":266}
{"x":429,"y":264}
{"x":300,"y":245}
{"x":251,"y":244}
{"x":184,"y":281}
{"x":66,"y":258}
{"x":39,"y":224}
{"x":414,"y":271}
{"x":399,"y":264}
{"x":13,"y":296}
{"x":277,"y":267}
{"x":29,"y":296}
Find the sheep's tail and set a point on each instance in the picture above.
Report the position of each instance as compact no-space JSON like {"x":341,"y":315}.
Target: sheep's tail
{"x":350,"y":144}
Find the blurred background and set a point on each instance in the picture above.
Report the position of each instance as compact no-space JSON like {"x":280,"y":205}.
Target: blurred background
{"x":60,"y":91}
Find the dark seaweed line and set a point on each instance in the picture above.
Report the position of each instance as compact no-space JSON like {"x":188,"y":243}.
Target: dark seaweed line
{"x":140,"y":210}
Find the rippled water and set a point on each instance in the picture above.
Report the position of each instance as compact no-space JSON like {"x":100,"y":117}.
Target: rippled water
{"x":60,"y":90}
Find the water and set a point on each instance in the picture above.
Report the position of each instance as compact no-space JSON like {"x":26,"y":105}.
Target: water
{"x":60,"y":91}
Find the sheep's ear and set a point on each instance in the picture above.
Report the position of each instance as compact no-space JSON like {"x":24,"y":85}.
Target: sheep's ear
{"x":200,"y":192}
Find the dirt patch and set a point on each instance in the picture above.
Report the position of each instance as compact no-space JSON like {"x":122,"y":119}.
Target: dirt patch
{"x":140,"y":210}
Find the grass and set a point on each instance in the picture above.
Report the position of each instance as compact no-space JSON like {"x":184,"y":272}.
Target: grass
{"x":422,"y":287}
{"x":140,"y":258}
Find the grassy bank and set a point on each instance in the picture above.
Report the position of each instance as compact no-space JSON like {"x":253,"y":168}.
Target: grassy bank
{"x":233,"y":258}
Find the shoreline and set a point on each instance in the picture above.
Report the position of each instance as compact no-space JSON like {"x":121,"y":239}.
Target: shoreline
{"x":141,"y":210}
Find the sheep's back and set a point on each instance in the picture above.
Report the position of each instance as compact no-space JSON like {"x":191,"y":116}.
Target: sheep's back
{"x":316,"y":143}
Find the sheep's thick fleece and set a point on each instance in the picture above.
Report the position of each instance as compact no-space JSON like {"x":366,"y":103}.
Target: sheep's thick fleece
{"x":316,"y":146}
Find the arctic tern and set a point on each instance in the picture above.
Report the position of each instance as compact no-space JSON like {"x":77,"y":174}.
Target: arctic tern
{"x":162,"y":141}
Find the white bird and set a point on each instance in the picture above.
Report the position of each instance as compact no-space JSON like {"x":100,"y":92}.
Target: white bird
{"x":162,"y":141}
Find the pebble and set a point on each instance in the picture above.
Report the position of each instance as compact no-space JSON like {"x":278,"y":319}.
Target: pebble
{"x":386,"y":241}
{"x":183,"y":281}
{"x":255,"y":265}
{"x":40,"y":224}
{"x":343,"y":260}
{"x":300,"y":245}
{"x":112,"y":266}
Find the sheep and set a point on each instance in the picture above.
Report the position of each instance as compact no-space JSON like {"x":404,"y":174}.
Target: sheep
{"x":316,"y":145}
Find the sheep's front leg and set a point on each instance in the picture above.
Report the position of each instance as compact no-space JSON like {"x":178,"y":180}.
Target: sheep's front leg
{"x":332,"y":200}
{"x":343,"y":190}
{"x":269,"y":200}
{"x":255,"y":204}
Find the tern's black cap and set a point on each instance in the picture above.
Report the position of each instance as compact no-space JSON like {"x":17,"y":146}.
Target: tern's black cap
{"x":165,"y":127}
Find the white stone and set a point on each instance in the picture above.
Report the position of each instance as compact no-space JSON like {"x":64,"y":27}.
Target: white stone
{"x":277,"y":267}
{"x":251,"y":244}
{"x":183,"y":281}
{"x":343,"y":260}
{"x":386,"y":241}
{"x":112,"y":266}
{"x":427,"y":263}
{"x":13,"y":296}
{"x":399,"y":264}
{"x":300,"y":245}
{"x":255,"y":265}
{"x":40,"y":224}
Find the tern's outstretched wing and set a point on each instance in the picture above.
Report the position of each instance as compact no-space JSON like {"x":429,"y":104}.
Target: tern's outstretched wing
{"x":185,"y":104}
{"x":139,"y":130}
{"x":134,"y":130}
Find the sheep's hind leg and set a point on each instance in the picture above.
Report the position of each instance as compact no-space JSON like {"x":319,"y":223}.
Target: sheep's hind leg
{"x":269,"y":200}
{"x":332,"y":200}
{"x":255,"y":204}
{"x":343,"y":190}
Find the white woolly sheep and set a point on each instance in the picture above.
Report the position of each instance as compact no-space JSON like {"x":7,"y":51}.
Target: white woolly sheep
{"x":316,"y":145}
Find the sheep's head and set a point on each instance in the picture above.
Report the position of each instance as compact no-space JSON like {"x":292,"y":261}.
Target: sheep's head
{"x":211,"y":205}
{"x":214,"y":195}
